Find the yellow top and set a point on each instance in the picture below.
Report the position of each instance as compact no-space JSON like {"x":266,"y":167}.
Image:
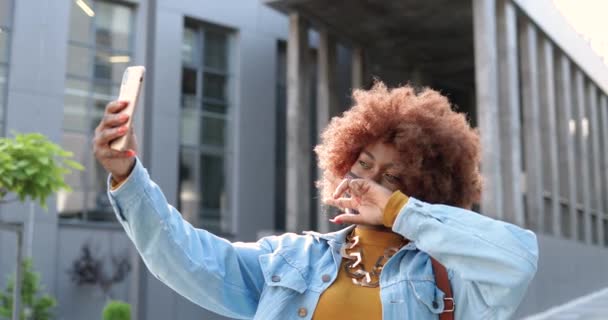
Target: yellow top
{"x":345,"y":300}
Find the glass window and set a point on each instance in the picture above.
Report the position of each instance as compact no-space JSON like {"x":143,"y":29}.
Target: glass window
{"x":188,"y":191}
{"x":213,"y":131}
{"x":99,"y":51}
{"x":81,"y":21}
{"x":113,"y":25}
{"x":79,"y":61}
{"x":215,"y":50}
{"x":189,"y":127}
{"x":189,"y":46}
{"x":212,"y":181}
{"x":188,"y":81}
{"x":214,"y":86}
{"x":204,"y":128}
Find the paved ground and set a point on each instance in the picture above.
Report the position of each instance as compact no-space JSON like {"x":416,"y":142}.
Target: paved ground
{"x":590,"y":307}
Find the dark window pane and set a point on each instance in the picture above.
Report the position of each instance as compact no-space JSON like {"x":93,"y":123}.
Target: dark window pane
{"x":188,"y":195}
{"x":212,"y":181}
{"x":189,"y":81}
{"x":214,"y":107}
{"x":113,"y":25}
{"x":213,"y":131}
{"x":5,"y":12}
{"x":81,"y":21}
{"x":79,"y":61}
{"x":214,"y":86}
{"x":189,"y":46}
{"x":216,"y":52}
{"x":189,"y":127}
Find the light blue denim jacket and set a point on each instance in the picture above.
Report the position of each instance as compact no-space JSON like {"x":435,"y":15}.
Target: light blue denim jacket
{"x":490,"y":263}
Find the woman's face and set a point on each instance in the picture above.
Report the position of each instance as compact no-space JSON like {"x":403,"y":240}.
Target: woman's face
{"x":379,"y":162}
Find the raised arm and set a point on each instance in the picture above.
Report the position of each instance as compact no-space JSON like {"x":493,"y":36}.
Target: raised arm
{"x":493,"y":261}
{"x":212,"y":272}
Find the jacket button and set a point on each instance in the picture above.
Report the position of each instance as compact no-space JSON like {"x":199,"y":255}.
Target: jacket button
{"x":435,"y":305}
{"x":275,"y":278}
{"x":325,"y":278}
{"x":302,"y":312}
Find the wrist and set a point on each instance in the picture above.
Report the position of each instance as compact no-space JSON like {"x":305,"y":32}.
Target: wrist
{"x":121,"y":177}
{"x":394,"y":204}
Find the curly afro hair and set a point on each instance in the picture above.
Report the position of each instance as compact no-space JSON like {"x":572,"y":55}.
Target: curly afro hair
{"x":439,"y":150}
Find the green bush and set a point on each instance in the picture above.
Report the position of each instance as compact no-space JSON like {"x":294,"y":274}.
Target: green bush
{"x":33,"y":306}
{"x":117,"y":310}
{"x":32,"y":166}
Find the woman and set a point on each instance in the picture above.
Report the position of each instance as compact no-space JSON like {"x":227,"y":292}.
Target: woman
{"x":404,"y":166}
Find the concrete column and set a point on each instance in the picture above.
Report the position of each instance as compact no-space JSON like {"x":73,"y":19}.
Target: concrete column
{"x":486,"y":86}
{"x":298,"y":126}
{"x":603,"y":113}
{"x":566,"y":133}
{"x":582,"y":135}
{"x":357,"y":68}
{"x":531,"y":124}
{"x":549,"y":132}
{"x":509,"y":114}
{"x":594,"y":165}
{"x":327,"y":101}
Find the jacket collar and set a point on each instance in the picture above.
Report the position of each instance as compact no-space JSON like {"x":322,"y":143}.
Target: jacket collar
{"x":338,"y":237}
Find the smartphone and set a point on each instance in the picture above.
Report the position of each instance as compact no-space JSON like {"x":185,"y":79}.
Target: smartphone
{"x":132,"y":81}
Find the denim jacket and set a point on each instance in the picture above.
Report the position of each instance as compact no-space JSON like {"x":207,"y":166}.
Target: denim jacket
{"x":490,"y":263}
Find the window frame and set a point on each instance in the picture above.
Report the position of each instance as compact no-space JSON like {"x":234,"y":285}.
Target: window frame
{"x":200,"y":148}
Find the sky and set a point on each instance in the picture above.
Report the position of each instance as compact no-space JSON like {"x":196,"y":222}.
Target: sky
{"x":590,"y":19}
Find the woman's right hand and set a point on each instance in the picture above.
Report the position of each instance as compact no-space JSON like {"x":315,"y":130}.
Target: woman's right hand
{"x":113,"y":125}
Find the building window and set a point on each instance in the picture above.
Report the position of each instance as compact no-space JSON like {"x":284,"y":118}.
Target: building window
{"x":205,"y":122}
{"x":5,"y":30}
{"x":99,"y":49}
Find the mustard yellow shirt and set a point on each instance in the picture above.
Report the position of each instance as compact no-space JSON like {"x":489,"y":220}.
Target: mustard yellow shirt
{"x":345,"y":300}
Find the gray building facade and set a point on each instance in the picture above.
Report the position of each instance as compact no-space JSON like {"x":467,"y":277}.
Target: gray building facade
{"x":225,"y":81}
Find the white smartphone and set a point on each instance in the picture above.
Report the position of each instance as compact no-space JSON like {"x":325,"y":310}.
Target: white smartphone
{"x":132,"y":81}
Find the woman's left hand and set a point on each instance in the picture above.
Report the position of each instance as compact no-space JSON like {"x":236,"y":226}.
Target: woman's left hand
{"x":367,"y":197}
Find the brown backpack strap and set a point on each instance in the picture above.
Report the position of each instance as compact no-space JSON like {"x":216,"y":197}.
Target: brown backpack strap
{"x":443,"y":283}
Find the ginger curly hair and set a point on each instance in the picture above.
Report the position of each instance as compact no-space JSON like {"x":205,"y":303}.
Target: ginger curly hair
{"x":439,"y":150}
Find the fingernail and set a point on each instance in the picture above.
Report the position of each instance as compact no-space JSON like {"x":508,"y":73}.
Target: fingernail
{"x":124,"y":116}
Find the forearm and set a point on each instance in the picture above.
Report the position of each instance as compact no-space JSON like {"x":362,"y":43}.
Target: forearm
{"x":492,"y":254}
{"x":199,"y":265}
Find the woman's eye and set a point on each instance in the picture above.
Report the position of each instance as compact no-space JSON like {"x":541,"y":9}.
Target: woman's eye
{"x":364,"y":164}
{"x":391,"y":178}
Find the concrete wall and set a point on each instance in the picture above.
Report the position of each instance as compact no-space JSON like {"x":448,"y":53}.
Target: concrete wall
{"x":566,"y":270}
